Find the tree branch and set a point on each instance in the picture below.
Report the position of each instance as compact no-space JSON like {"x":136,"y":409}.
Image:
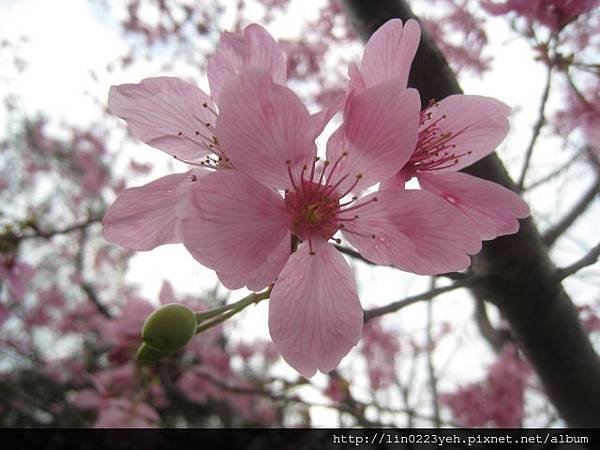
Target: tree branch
{"x":516,"y":271}
{"x":395,"y":306}
{"x":497,"y":338}
{"x":590,"y":258}
{"x":537,"y":128}
{"x":430,"y":365}
{"x":353,"y":254}
{"x":47,"y":234}
{"x":554,"y":232}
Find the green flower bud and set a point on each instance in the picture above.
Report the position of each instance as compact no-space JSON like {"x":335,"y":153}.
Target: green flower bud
{"x":148,"y":354}
{"x":169,"y":327}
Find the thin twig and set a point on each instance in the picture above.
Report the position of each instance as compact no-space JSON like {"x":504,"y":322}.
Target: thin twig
{"x":552,"y":234}
{"x":430,"y":366}
{"x":47,"y":234}
{"x":537,"y":128}
{"x":395,"y":306}
{"x":590,"y":258}
{"x":553,"y":174}
{"x":353,"y":254}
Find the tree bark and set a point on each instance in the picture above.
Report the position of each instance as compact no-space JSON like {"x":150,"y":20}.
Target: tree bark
{"x":518,"y":275}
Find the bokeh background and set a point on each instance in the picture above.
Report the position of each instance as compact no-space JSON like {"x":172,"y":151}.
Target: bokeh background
{"x":72,"y":305}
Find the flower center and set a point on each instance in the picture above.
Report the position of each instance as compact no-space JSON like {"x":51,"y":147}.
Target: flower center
{"x":312,"y":214}
{"x":315,"y":205}
{"x":434,"y":149}
{"x":313,"y":211}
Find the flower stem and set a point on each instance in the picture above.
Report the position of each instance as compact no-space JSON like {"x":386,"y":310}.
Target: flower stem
{"x":227,"y":311}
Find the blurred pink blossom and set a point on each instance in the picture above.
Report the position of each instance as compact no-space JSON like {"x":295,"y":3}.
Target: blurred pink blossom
{"x":16,"y":274}
{"x":555,"y":14}
{"x":381,"y":350}
{"x":496,"y":401}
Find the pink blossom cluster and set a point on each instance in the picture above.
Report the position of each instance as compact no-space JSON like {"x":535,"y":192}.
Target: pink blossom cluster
{"x":381,"y":349}
{"x":458,"y":30}
{"x":581,"y":111}
{"x":16,"y":274}
{"x":496,"y":401}
{"x":259,"y":206}
{"x":105,"y":383}
{"x":554,"y":14}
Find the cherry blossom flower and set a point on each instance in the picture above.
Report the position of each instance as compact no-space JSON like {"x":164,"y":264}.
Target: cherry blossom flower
{"x":178,"y":118}
{"x":555,"y":14}
{"x":16,"y":274}
{"x":245,"y":222}
{"x":453,"y":133}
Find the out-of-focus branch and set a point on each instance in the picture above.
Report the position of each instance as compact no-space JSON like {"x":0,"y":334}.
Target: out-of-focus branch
{"x":47,"y":234}
{"x":554,"y":232}
{"x":353,"y":254}
{"x":590,"y":258}
{"x":86,"y":287}
{"x":516,"y":271}
{"x":553,"y":173}
{"x":395,"y":306}
{"x":430,"y":366}
{"x":537,"y":128}
{"x":496,"y":338}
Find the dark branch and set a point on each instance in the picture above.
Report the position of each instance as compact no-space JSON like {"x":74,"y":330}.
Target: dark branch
{"x":353,"y":254}
{"x":537,"y":128}
{"x":395,"y":306}
{"x":47,"y":234}
{"x":590,"y":258}
{"x":553,"y":233}
{"x":86,"y":287}
{"x":497,"y":338}
{"x":553,"y":173}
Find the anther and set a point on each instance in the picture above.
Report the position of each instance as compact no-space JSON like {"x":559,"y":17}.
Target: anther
{"x":179,"y":133}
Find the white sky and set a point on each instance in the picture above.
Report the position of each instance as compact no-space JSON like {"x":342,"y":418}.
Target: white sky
{"x":69,"y":38}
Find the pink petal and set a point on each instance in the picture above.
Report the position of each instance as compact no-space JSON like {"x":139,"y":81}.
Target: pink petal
{"x":493,"y":209}
{"x":315,"y":317}
{"x":262,"y":126}
{"x":379,"y":134}
{"x":236,"y":53}
{"x":165,"y":113}
{"x":389,"y":53}
{"x":144,"y":217}
{"x":239,"y":228}
{"x":483,"y":119}
{"x":414,"y":231}
{"x":395,"y":183}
